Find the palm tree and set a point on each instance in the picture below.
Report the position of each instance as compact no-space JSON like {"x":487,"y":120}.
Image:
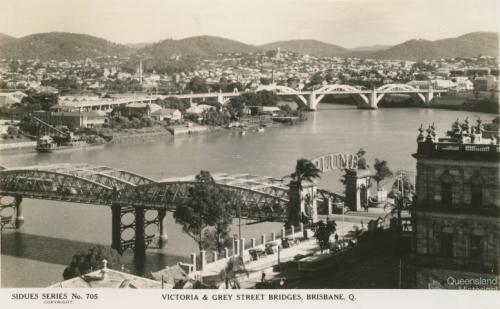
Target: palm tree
{"x":382,"y":171}
{"x":305,"y":170}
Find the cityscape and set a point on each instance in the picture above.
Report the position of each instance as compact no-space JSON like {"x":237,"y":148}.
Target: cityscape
{"x":204,"y":162}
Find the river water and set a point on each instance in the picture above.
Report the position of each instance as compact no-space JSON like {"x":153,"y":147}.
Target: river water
{"x":36,"y":255}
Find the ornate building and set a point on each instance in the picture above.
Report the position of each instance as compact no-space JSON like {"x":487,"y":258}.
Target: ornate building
{"x":456,"y":215}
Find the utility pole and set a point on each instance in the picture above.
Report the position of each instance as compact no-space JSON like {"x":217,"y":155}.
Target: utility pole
{"x":343,"y":211}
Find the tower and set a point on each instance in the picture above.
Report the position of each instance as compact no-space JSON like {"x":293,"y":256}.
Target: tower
{"x":456,"y":226}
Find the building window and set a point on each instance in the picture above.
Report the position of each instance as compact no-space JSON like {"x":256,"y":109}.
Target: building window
{"x":476,"y":247}
{"x":476,"y":192}
{"x":446,"y":244}
{"x":446,"y":194}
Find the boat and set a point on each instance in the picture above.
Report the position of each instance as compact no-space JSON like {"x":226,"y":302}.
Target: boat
{"x":243,"y":132}
{"x":260,"y":130}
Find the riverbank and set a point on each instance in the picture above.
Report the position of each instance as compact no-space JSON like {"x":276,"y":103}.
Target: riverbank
{"x":17,"y":145}
{"x":134,"y":134}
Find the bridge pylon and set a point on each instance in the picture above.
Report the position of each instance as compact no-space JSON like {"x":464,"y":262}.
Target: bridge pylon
{"x":303,"y":202}
{"x":313,"y":104}
{"x":19,"y":211}
{"x":162,"y":218}
{"x":429,"y":96}
{"x":128,"y":228}
{"x":372,"y":101}
{"x":11,"y":212}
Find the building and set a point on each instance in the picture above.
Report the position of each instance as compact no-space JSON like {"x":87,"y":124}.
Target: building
{"x":139,"y":109}
{"x":72,"y":120}
{"x":109,"y":278}
{"x":486,"y":83}
{"x":9,"y":98}
{"x":166,"y":113}
{"x":199,"y":109}
{"x":457,"y":210}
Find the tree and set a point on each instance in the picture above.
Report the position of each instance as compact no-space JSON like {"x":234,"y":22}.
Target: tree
{"x":361,"y":159}
{"x":382,"y":171}
{"x":234,"y":267}
{"x":316,"y":79}
{"x":197,"y":85}
{"x":265,"y":81}
{"x":305,"y":170}
{"x":323,"y":232}
{"x":87,"y":261}
{"x":205,"y":205}
{"x":402,"y":193}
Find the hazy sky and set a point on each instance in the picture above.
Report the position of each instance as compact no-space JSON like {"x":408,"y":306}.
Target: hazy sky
{"x":348,"y":23}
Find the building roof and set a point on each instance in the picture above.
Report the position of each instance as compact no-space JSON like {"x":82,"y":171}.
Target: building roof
{"x":108,"y":278}
{"x":170,"y":275}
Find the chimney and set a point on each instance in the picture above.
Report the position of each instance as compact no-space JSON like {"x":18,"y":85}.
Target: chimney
{"x":104,"y":270}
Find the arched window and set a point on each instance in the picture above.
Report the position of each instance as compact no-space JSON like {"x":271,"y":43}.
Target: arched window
{"x":476,"y":250}
{"x":446,"y":189}
{"x":446,"y":242}
{"x":476,"y":190}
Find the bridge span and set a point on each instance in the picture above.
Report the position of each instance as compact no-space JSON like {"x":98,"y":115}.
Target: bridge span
{"x":367,"y":99}
{"x":138,"y":204}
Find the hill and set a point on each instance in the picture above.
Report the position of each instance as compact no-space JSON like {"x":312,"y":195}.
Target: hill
{"x":309,"y":47}
{"x":197,"y":46}
{"x":6,"y":39}
{"x":61,"y":46}
{"x":468,"y":45}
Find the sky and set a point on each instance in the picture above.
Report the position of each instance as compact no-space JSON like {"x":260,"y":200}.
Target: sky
{"x":348,"y":23}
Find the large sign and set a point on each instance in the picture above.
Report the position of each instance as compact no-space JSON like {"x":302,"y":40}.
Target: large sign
{"x":336,"y":161}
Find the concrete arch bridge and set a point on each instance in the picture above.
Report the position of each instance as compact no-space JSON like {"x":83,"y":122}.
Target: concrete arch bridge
{"x":368,"y":99}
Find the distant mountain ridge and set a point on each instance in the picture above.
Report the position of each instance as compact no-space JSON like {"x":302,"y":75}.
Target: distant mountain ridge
{"x":72,"y":46}
{"x":468,"y":45}
{"x":199,"y":46}
{"x":6,"y":39}
{"x":61,"y":46}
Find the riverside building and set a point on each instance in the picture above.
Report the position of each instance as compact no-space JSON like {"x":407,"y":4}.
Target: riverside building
{"x":456,"y":216}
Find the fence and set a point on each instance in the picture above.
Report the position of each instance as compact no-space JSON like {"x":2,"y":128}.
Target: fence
{"x":241,"y":247}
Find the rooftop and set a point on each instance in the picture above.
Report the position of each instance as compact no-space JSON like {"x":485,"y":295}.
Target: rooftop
{"x":464,"y":140}
{"x":108,"y":278}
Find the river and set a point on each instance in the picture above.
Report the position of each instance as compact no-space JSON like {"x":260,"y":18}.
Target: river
{"x":36,"y":255}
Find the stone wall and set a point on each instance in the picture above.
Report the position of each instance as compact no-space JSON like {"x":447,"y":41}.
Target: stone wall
{"x":431,"y":174}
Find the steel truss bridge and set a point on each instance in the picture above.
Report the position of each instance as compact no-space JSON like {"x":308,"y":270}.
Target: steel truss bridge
{"x":138,"y":203}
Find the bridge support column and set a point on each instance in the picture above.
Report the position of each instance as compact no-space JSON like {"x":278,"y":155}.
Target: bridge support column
{"x":373,"y":99}
{"x":140,"y":243}
{"x":429,"y":96}
{"x":115,"y":228}
{"x":162,"y":217}
{"x":19,"y":211}
{"x":312,"y":101}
